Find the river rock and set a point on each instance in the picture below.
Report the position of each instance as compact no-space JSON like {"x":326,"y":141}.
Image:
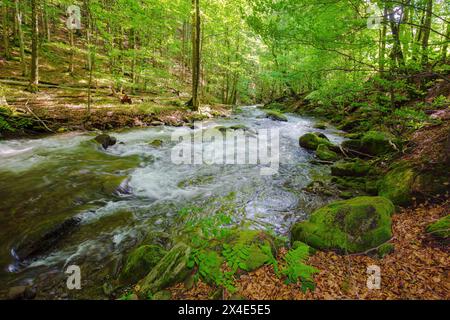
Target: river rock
{"x":276,"y":116}
{"x":356,"y":168}
{"x":373,"y":143}
{"x":21,"y":293}
{"x":404,"y":183}
{"x":172,"y":268}
{"x":45,"y":238}
{"x":156,"y":143}
{"x":323,"y":153}
{"x":311,"y":141}
{"x":105,"y":140}
{"x":347,"y":226}
{"x":260,"y":248}
{"x":141,"y":261}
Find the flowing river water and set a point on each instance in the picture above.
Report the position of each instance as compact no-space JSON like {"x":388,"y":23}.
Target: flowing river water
{"x":66,"y":201}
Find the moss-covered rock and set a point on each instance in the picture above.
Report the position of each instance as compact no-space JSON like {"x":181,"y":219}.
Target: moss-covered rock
{"x":105,"y":140}
{"x":397,"y":185}
{"x":372,"y":143}
{"x":440,"y":228}
{"x":276,"y":115}
{"x":385,"y":249}
{"x":404,"y":182}
{"x":162,"y":295}
{"x":377,"y":143}
{"x":172,"y":268}
{"x":311,"y":141}
{"x":141,"y":261}
{"x":357,"y":168}
{"x":320,"y":125}
{"x":252,"y":247}
{"x":156,"y":143}
{"x":350,"y":226}
{"x":324,"y":153}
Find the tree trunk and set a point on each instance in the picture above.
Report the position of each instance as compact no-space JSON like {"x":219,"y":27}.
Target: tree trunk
{"x":426,"y":33}
{"x":195,"y":53}
{"x":445,"y":46}
{"x":383,"y":33}
{"x":34,"y":76}
{"x":20,"y":36}
{"x":5,"y":23}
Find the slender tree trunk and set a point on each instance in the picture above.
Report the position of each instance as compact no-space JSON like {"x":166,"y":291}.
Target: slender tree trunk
{"x":5,"y":23}
{"x":34,"y":76}
{"x":426,"y":33}
{"x":20,"y":36}
{"x":445,"y":46}
{"x":383,"y":32}
{"x":396,"y":54}
{"x":72,"y":51}
{"x":195,"y":53}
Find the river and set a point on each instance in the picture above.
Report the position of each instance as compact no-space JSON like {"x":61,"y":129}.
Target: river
{"x":65,"y":201}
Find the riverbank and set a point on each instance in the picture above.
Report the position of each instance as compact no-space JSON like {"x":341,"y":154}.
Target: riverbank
{"x":55,"y":110}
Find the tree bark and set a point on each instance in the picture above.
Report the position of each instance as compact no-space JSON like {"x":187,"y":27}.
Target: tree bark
{"x":5,"y":23}
{"x":195,"y":53}
{"x":426,"y":33}
{"x":20,"y":36}
{"x":34,"y":76}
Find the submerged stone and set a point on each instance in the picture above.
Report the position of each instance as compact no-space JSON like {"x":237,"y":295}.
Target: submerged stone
{"x":348,"y":226}
{"x":156,"y":143}
{"x":105,"y":140}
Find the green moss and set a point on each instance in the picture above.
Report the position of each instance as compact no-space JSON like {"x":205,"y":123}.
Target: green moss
{"x":320,"y":125}
{"x":440,"y":228}
{"x":385,"y":249}
{"x":249,"y":249}
{"x":156,"y":143}
{"x":311,"y":141}
{"x":196,"y":181}
{"x":353,"y":225}
{"x":162,"y":295}
{"x":276,"y":115}
{"x":239,"y":127}
{"x":377,"y":143}
{"x":356,"y":168}
{"x":323,"y":153}
{"x":397,"y":185}
{"x":172,"y":268}
{"x":141,"y":261}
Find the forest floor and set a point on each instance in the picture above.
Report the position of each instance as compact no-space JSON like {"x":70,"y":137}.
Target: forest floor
{"x":417,"y":269}
{"x":62,"y":100}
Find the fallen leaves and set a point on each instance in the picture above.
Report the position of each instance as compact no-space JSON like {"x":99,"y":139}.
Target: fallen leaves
{"x":417,"y":269}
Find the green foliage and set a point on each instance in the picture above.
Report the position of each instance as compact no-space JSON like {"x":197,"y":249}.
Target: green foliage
{"x":10,"y":121}
{"x":295,"y":268}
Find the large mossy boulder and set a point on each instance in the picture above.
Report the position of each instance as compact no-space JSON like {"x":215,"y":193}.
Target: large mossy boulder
{"x":141,"y":261}
{"x":172,"y":268}
{"x":254,"y":247}
{"x":373,"y":143}
{"x":324,"y":153}
{"x":441,"y":228}
{"x":404,"y":183}
{"x":347,"y":226}
{"x":311,"y":141}
{"x":357,"y":168}
{"x":397,"y":185}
